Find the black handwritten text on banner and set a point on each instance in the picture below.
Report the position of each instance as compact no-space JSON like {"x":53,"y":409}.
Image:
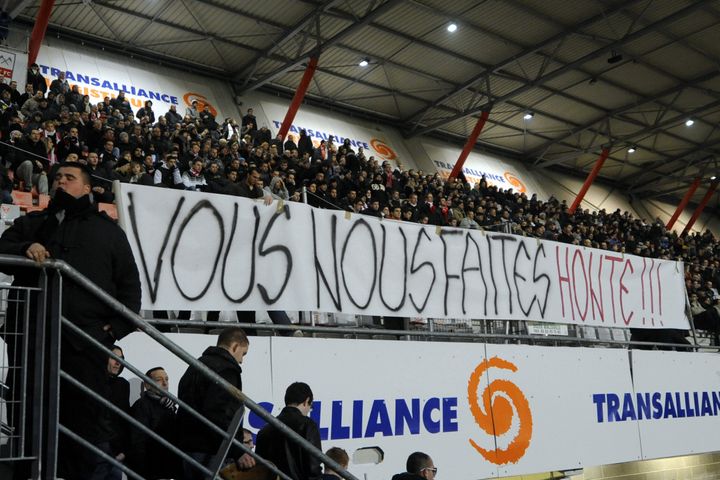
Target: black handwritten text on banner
{"x":216,"y":252}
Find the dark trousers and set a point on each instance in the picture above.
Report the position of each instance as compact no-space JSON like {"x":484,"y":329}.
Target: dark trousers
{"x":81,"y":414}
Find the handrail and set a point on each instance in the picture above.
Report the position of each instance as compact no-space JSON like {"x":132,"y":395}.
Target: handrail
{"x":153,"y":333}
{"x":429,"y":334}
{"x":77,"y":330}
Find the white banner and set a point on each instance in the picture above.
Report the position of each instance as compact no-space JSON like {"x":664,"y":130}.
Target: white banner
{"x":216,"y":252}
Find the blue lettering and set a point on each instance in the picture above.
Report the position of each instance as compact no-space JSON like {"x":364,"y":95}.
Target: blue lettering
{"x":366,"y":146}
{"x":431,"y":425}
{"x":357,"y":418}
{"x":276,"y":123}
{"x":174,"y":100}
{"x":706,"y":409}
{"x":95,"y":82}
{"x":643,"y":405}
{"x":82,"y":78}
{"x":379,"y":420}
{"x":106,"y":84}
{"x":142,"y":93}
{"x":254,"y":420}
{"x":657,"y":406}
{"x":628,"y":408}
{"x":69,"y":76}
{"x":43,"y":68}
{"x":54,"y":72}
{"x":449,"y":415}
{"x":155,"y":96}
{"x":688,"y":407}
{"x":716,"y":403}
{"x":315,"y":415}
{"x":403,"y":416}
{"x":599,"y":399}
{"x":293,"y":129}
{"x":338,"y":430}
{"x":669,"y":406}
{"x":679,"y":406}
{"x":613,"y":406}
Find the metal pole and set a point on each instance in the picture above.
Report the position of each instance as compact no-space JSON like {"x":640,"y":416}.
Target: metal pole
{"x":52,"y":418}
{"x":38,"y":31}
{"x":698,"y":211}
{"x":589,"y":180}
{"x":470,"y":144}
{"x":304,"y":194}
{"x":299,"y":97}
{"x":683,"y":203}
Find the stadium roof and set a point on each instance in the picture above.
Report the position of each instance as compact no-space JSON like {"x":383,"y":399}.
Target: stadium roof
{"x":590,"y":72}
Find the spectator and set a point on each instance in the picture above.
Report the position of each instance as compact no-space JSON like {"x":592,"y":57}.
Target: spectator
{"x":96,"y":246}
{"x":193,"y":179}
{"x":118,"y":428}
{"x":31,"y":164}
{"x":60,"y":85}
{"x":288,"y":456}
{"x":213,"y":402}
{"x":168,"y":174}
{"x":36,"y":79}
{"x":249,"y":122}
{"x":155,"y":410}
{"x":419,"y":466}
{"x":192,"y":111}
{"x":341,"y":458}
{"x":146,"y":113}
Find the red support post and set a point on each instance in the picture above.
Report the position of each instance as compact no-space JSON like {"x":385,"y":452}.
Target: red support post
{"x":683,"y":203}
{"x":589,"y":180}
{"x":701,"y":207}
{"x":470,"y":144}
{"x":299,"y":96}
{"x":38,"y":31}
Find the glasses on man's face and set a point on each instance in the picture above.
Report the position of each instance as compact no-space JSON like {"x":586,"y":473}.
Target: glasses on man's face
{"x":434,"y":470}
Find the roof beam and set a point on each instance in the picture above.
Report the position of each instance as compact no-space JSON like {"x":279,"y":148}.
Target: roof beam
{"x":526,"y":52}
{"x":368,"y":18}
{"x":571,"y":66}
{"x":630,"y":106}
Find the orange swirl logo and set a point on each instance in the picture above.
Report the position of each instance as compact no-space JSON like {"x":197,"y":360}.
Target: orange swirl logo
{"x":501,"y":401}
{"x":515,"y":182}
{"x":383,"y":149}
{"x":190,"y":97}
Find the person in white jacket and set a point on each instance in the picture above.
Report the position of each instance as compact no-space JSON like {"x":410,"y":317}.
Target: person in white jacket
{"x":194,"y":179}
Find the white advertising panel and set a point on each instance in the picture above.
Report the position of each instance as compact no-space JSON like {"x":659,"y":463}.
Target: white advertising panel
{"x":454,"y":401}
{"x":676,"y":403}
{"x":501,"y":173}
{"x":382,"y":143}
{"x":208,"y":252}
{"x":99,"y":77}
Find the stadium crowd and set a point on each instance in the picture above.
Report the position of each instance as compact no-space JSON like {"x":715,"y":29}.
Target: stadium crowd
{"x":52,"y":122}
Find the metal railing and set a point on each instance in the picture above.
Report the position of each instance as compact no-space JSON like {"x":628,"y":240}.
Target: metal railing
{"x":38,"y":442}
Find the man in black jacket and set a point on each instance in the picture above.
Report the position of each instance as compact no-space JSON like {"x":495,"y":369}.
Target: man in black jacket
{"x":157,"y":411}
{"x":72,"y":229}
{"x":213,"y":402}
{"x":287,"y":455}
{"x":419,"y":466}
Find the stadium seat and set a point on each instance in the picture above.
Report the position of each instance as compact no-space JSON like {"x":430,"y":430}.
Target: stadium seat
{"x":23,"y":199}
